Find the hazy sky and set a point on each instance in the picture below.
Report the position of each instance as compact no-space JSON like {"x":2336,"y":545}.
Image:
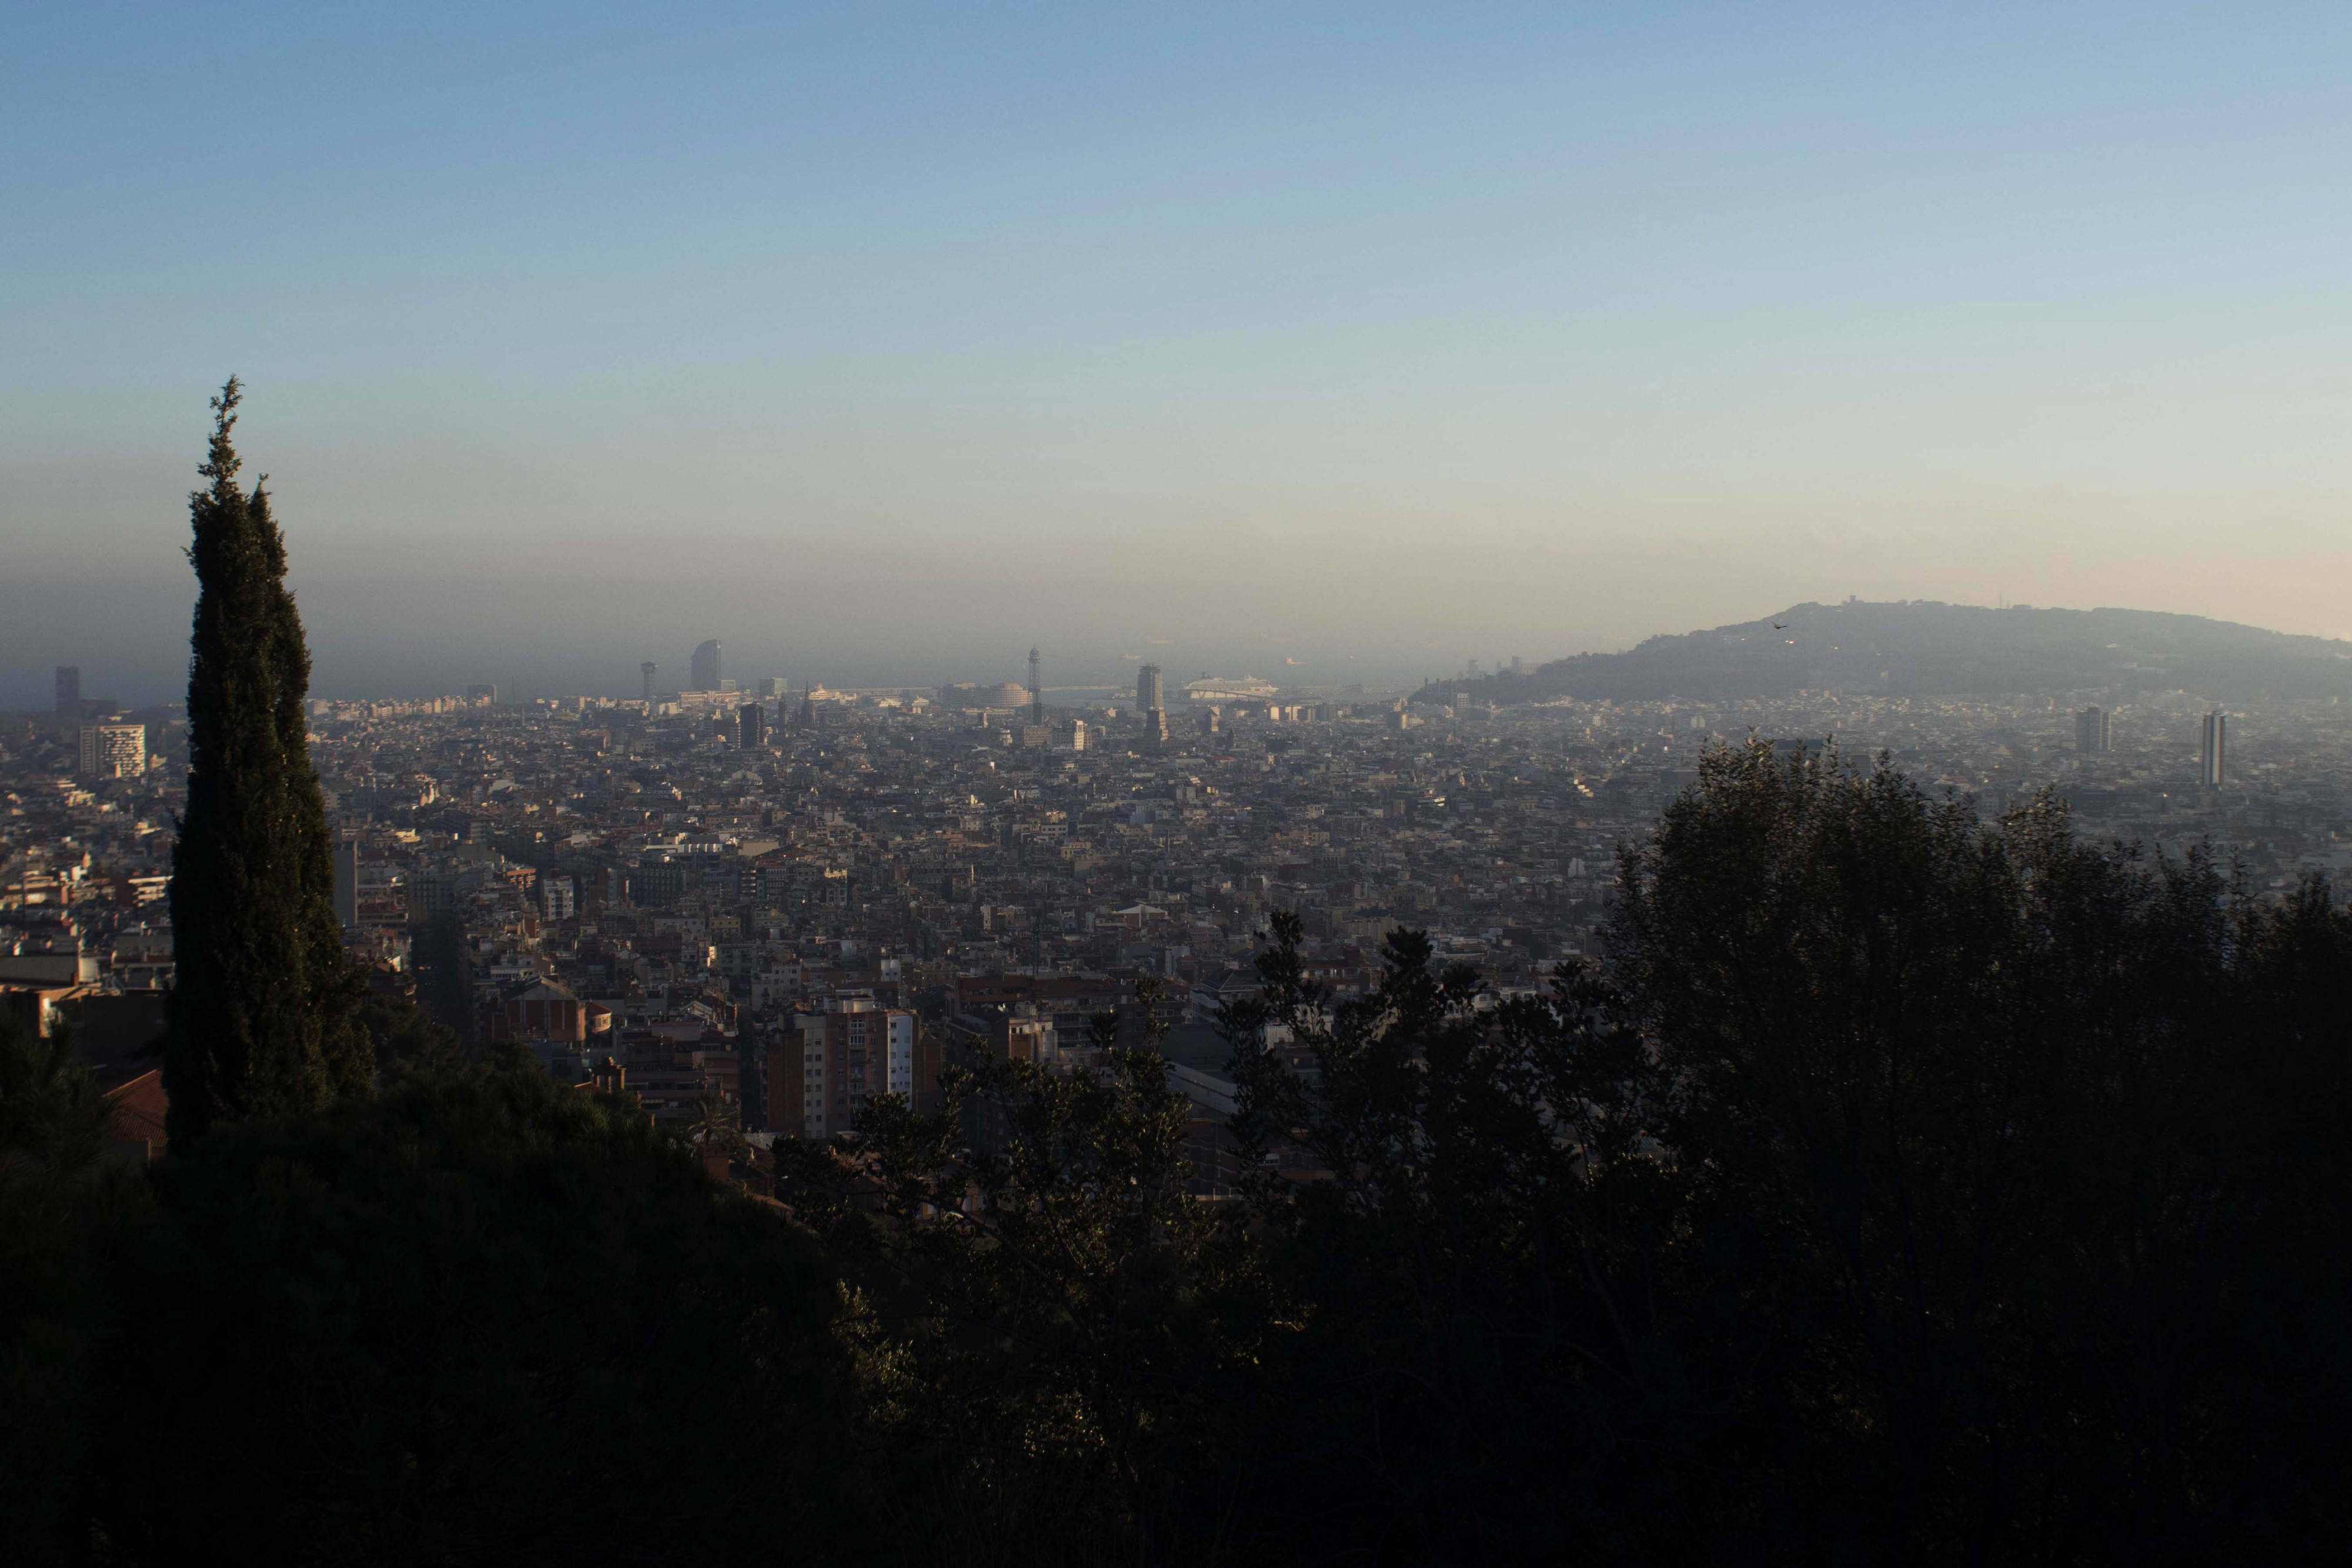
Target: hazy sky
{"x":883,"y":340}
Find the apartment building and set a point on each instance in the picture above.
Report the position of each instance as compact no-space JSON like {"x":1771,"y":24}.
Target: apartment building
{"x":853,"y":1050}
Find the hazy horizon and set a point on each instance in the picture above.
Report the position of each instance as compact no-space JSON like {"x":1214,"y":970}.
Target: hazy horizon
{"x":585,"y":660}
{"x":885,"y":345}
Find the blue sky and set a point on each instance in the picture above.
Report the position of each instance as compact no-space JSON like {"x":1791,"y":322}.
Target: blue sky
{"x":885,"y":340}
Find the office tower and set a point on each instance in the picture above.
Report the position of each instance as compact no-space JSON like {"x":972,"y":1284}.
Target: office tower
{"x":770,"y":686}
{"x":482,"y":694}
{"x":69,"y":690}
{"x":751,"y":725}
{"x":2215,"y":742}
{"x":808,"y":707}
{"x":2094,"y":731}
{"x":113,"y":751}
{"x":1151,"y":706}
{"x":705,"y":666}
{"x":1036,"y":691}
{"x":647,"y":670}
{"x":1212,"y":721}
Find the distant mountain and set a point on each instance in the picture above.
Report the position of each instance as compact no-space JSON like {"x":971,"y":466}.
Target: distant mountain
{"x":1922,"y":648}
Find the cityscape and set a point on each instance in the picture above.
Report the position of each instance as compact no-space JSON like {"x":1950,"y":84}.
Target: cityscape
{"x":688,"y":881}
{"x":1302,"y":785}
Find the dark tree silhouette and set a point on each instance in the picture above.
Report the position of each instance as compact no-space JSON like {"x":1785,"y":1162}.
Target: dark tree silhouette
{"x":1906,"y":1188}
{"x":474,"y":1319}
{"x":262,"y":1013}
{"x":1053,"y":1337}
{"x":63,"y":1206}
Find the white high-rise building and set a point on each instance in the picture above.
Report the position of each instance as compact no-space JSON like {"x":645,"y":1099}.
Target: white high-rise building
{"x":113,"y":751}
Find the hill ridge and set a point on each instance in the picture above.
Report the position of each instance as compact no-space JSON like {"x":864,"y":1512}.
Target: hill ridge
{"x":1932,"y":648}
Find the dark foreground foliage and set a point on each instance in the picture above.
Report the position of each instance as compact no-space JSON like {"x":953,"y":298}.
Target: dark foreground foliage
{"x":65,"y":1211}
{"x":476,"y":1318}
{"x":1059,"y":1346}
{"x":1905,"y":1190}
{"x":1900,"y":1189}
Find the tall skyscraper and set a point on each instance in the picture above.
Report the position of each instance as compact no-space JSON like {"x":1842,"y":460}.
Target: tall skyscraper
{"x":1151,"y":706}
{"x":69,"y":690}
{"x":647,"y":670}
{"x":751,"y":725}
{"x":2094,"y":731}
{"x":705,"y":666}
{"x":113,"y":751}
{"x":482,"y":694}
{"x":1036,"y":691}
{"x":2214,"y":762}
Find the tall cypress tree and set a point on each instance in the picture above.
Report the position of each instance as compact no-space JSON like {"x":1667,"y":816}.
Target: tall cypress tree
{"x":337,"y":987}
{"x":263,"y":1008}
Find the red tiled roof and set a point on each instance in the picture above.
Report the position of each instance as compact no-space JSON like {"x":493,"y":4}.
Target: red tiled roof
{"x":135,"y":1112}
